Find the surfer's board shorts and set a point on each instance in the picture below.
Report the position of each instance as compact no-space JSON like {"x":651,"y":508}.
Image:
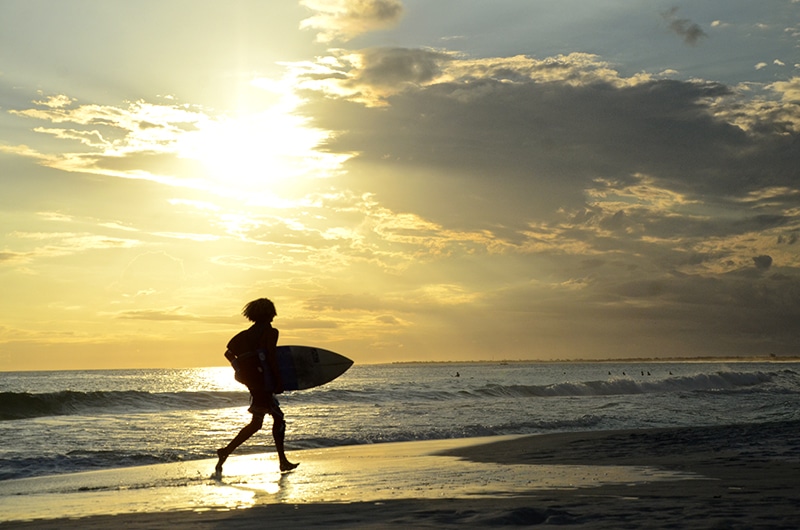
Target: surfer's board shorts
{"x":249,"y":372}
{"x":263,"y":402}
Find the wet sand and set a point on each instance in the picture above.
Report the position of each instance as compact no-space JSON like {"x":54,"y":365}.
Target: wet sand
{"x":711,"y":477}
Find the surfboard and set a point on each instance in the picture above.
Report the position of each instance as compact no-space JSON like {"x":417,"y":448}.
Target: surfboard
{"x":305,"y":367}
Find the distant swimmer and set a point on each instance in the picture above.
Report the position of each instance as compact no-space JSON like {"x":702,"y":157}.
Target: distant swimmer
{"x":242,"y":348}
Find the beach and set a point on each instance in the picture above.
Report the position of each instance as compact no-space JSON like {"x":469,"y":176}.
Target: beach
{"x":739,"y":476}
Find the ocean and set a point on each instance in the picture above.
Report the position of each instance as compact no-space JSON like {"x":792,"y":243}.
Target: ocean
{"x":68,"y":421}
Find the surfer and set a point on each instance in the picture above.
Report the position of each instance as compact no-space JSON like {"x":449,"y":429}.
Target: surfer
{"x":243,"y":353}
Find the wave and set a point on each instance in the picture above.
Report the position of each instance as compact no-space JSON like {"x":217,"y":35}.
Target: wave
{"x":78,"y":461}
{"x":716,"y":382}
{"x":24,"y":405}
{"x":17,"y":406}
{"x":86,"y":459}
{"x":783,"y":435}
{"x":719,"y":381}
{"x":731,"y":382}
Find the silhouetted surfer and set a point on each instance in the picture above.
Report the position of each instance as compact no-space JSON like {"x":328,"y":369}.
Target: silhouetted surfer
{"x":243,"y":353}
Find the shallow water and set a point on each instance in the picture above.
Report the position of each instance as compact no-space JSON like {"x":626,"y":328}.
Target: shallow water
{"x":376,"y":473}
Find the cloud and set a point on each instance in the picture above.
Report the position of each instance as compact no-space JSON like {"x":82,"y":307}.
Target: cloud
{"x":244,"y":157}
{"x":158,"y":315}
{"x":11,"y":257}
{"x":130,"y":141}
{"x":772,"y":113}
{"x":533,"y":196}
{"x":511,"y":130}
{"x":789,"y":90}
{"x":307,"y":324}
{"x":345,"y":19}
{"x":390,"y":69}
{"x":55,"y":101}
{"x":369,"y":76}
{"x":59,"y":244}
{"x":763,"y":262}
{"x":683,"y":27}
{"x":172,"y":315}
{"x":372,"y":76}
{"x":612,"y":197}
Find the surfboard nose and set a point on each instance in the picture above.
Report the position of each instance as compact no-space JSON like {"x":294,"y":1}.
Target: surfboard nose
{"x":306,"y":367}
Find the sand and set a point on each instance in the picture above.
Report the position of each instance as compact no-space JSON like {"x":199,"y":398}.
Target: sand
{"x":712,"y":477}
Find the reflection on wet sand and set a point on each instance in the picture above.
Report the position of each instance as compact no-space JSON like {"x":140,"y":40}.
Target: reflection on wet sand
{"x":364,"y":473}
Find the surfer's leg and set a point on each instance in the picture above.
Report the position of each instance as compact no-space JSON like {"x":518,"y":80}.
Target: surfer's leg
{"x":279,"y":434}
{"x":247,"y":431}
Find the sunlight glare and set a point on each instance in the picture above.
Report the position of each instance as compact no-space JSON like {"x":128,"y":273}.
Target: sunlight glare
{"x":252,"y":153}
{"x":266,"y":152}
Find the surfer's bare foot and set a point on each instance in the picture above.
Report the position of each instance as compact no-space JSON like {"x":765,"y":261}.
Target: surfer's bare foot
{"x":288,"y":466}
{"x":222,"y":455}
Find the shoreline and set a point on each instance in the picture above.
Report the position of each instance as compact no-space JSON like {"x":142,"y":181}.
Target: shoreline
{"x":741,"y":476}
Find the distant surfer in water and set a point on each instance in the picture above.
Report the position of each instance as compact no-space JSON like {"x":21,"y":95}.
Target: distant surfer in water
{"x":243,"y":353}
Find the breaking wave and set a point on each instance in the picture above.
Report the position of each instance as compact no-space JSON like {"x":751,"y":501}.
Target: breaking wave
{"x":22,"y":405}
{"x":16,"y":406}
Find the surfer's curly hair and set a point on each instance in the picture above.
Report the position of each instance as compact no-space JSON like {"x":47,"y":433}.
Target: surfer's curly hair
{"x":260,"y":310}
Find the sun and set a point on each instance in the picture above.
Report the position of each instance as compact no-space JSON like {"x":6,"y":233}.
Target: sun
{"x":265,"y":151}
{"x":272,"y":150}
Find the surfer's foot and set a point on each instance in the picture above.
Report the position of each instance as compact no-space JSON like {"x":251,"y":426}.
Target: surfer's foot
{"x":287,"y":466}
{"x":222,"y":454}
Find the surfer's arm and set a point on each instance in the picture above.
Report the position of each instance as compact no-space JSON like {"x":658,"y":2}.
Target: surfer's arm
{"x":270,"y":344}
{"x":236,"y":366}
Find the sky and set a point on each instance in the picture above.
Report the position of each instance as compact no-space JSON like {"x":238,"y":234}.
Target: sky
{"x":406,"y":180}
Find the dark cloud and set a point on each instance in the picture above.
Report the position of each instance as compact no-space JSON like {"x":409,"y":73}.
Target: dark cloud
{"x":788,"y":239}
{"x":763,"y":262}
{"x":525,"y":150}
{"x":627,"y":203}
{"x":390,"y":66}
{"x":689,"y":31}
{"x":673,"y":315}
{"x":6,"y":257}
{"x":344,"y":19}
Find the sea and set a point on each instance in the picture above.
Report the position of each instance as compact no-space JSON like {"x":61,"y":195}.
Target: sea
{"x":55,"y":422}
